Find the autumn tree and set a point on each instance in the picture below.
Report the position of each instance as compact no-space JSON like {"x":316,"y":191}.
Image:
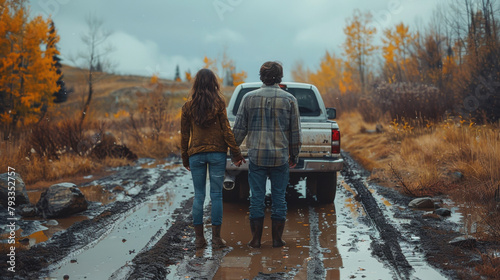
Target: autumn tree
{"x":210,"y":64}
{"x":28,"y":76}
{"x":358,"y":46}
{"x":396,"y":51}
{"x":232,"y":78}
{"x":238,"y":77}
{"x":328,"y":77}
{"x":188,"y":76}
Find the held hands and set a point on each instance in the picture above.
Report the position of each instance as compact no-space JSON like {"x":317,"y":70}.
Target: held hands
{"x":239,"y":162}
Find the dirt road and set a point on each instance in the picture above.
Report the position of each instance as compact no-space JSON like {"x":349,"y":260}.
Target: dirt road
{"x":368,"y":233}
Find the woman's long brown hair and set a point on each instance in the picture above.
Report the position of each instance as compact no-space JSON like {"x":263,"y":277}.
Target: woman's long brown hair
{"x":206,"y":98}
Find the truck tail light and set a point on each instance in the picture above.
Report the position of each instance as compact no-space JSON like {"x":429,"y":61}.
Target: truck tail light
{"x":335,"y":141}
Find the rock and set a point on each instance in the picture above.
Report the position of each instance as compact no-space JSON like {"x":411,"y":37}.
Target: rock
{"x":464,"y":242}
{"x":457,"y":175}
{"x":51,"y":223}
{"x":27,"y":211}
{"x":421,"y":203}
{"x":444,"y":212}
{"x":20,"y":190}
{"x":432,"y":216}
{"x":61,"y":200}
{"x":107,"y":148}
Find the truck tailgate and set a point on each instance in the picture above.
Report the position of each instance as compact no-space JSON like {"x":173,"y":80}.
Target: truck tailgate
{"x":316,"y":140}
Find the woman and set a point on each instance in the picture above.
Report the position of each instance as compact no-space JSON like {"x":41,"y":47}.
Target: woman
{"x":205,"y":137}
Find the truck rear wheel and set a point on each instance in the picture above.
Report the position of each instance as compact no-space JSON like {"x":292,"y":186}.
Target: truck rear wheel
{"x":240,"y":191}
{"x":325,"y":185}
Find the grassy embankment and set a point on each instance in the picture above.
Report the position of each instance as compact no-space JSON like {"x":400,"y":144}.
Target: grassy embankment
{"x":458,"y":159}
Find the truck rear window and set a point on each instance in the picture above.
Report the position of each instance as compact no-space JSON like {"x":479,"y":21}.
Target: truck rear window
{"x":308,"y":105}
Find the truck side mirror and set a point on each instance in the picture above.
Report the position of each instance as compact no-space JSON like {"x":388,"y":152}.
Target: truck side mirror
{"x":332,"y":113}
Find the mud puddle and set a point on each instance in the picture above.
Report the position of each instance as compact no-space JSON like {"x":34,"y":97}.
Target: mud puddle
{"x":131,"y":234}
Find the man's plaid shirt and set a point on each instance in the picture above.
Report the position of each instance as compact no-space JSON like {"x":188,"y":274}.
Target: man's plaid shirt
{"x":269,"y":118}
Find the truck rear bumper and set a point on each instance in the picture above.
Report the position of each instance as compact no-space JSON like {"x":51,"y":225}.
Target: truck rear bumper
{"x":306,"y":165}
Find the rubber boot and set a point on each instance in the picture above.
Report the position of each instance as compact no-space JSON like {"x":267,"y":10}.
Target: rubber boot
{"x":277,"y":233}
{"x":256,"y":226}
{"x":200,"y":241}
{"x":217,"y":241}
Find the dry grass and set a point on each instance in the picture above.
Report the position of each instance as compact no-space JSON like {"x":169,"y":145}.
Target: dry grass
{"x":423,"y":161}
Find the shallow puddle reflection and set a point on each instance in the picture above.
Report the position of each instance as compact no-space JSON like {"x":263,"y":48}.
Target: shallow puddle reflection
{"x":289,"y":261}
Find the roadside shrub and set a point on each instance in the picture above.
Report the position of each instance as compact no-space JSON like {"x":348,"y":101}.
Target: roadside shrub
{"x":411,"y":101}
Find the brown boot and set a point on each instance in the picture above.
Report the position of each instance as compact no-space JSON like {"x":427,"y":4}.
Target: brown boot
{"x":217,"y":241}
{"x":200,"y":241}
{"x":256,"y":226}
{"x":277,"y":228}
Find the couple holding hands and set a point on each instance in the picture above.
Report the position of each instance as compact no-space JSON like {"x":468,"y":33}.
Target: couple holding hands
{"x":269,"y":119}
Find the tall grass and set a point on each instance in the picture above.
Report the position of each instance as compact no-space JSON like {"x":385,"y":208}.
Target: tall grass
{"x":454,"y":157}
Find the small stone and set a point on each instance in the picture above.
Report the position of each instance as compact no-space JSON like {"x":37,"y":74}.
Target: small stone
{"x":431,"y":216}
{"x":51,"y":223}
{"x":464,"y":242}
{"x":444,"y":212}
{"x":421,"y":203}
{"x":27,"y":211}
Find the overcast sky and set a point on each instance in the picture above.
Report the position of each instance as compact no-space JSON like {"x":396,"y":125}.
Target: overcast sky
{"x":154,"y":36}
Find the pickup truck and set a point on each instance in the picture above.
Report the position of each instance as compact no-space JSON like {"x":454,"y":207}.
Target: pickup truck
{"x":319,"y":159}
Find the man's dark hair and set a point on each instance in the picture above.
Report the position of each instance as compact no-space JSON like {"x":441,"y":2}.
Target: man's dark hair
{"x":271,"y":73}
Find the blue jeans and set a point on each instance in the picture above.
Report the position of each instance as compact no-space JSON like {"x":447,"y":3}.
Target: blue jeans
{"x":257,"y":177}
{"x":216,"y":163}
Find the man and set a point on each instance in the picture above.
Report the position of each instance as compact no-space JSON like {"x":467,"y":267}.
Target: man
{"x":269,"y":118}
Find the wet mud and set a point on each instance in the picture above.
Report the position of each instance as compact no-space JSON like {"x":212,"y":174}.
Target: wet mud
{"x":368,"y":233}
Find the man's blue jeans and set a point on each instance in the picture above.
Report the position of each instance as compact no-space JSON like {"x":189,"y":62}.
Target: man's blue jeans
{"x":216,"y":164}
{"x":257,"y":177}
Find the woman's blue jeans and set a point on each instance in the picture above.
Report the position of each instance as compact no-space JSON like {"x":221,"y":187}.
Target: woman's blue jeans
{"x":215,"y":162}
{"x":257,"y":177}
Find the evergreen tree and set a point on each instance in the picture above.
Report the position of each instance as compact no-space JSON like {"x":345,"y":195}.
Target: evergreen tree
{"x":62,"y":94}
{"x":177,"y":74}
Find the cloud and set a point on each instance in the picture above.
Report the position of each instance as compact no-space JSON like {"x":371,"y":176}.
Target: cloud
{"x":226,"y":36}
{"x":145,"y":58}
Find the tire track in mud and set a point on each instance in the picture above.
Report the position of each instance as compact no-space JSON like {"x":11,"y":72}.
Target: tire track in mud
{"x":38,"y":261}
{"x":388,"y":247}
{"x":169,"y":250}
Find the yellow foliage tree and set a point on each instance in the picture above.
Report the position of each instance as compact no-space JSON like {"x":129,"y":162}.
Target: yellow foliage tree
{"x":28,"y":77}
{"x":239,"y":78}
{"x":228,"y":74}
{"x":396,"y":52}
{"x":188,"y":76}
{"x":358,"y":46}
{"x":330,"y":78}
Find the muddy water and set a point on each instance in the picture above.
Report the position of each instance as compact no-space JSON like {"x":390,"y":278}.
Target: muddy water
{"x":409,"y":246}
{"x":127,"y":238}
{"x":323,"y":242}
{"x":246,"y":263}
{"x":92,"y":193}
